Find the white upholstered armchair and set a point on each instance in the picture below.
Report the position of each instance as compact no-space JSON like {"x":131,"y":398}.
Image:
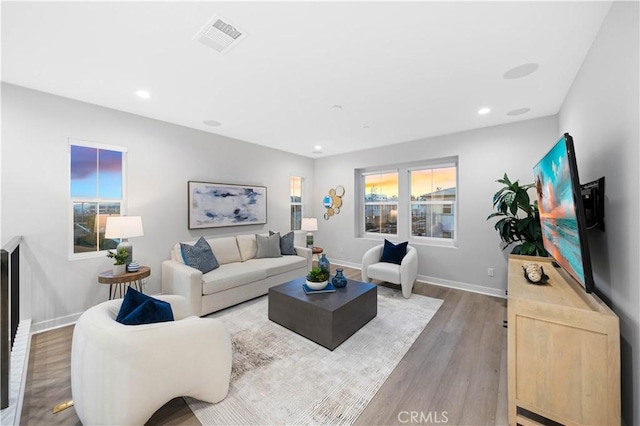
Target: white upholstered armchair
{"x":404,"y":274}
{"x":122,"y":374}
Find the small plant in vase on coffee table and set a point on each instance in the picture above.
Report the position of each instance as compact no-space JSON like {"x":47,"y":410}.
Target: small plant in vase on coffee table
{"x":120,"y":257}
{"x":317,"y":278}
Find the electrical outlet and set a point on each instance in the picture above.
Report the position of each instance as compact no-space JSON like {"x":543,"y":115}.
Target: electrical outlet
{"x":490,"y":272}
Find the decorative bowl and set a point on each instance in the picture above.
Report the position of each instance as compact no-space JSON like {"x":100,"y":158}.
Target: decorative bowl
{"x":133,"y":267}
{"x":317,"y":285}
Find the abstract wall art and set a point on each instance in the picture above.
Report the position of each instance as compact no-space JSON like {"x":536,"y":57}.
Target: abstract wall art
{"x":213,"y":205}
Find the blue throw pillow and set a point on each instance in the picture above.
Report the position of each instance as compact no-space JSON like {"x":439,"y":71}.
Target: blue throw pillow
{"x":393,"y":253}
{"x":286,"y":244}
{"x":199,"y":256}
{"x":138,"y":308}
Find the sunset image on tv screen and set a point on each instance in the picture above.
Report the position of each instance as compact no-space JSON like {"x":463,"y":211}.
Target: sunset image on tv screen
{"x":557,"y":210}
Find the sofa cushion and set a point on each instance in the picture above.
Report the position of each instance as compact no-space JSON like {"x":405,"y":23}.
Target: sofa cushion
{"x":231,"y":275}
{"x":247,"y":246}
{"x":268,"y":246}
{"x":199,"y":256}
{"x":138,"y":308}
{"x":279,"y":265}
{"x":225,"y":249}
{"x":389,"y":272}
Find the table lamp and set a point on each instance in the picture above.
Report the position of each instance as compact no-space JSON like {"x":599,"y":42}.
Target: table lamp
{"x":309,"y":224}
{"x":124,"y":227}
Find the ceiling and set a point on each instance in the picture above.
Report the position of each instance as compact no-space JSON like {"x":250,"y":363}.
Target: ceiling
{"x":400,"y":71}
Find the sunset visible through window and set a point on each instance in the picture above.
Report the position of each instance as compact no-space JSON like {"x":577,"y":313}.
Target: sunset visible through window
{"x":428,"y":181}
{"x":96,"y":189}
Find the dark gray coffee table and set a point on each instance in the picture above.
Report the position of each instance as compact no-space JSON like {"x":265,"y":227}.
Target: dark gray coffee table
{"x":326,"y":318}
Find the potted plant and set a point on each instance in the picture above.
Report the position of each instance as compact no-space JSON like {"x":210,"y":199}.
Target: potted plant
{"x":520,"y":219}
{"x":317,"y":278}
{"x":120,"y":257}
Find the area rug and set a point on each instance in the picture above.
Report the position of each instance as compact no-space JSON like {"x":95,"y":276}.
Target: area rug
{"x":279,"y":377}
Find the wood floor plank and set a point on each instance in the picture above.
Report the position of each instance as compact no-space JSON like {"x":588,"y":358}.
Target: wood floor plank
{"x":446,"y":400}
{"x":482,"y":393}
{"x":431,"y":348}
{"x":457,"y":364}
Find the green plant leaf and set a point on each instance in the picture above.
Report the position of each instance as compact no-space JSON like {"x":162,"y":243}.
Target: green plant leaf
{"x":528,"y":248}
{"x":523,"y":224}
{"x":495,"y":215}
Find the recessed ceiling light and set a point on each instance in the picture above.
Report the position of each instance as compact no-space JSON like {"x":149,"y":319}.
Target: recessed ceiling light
{"x":519,"y":111}
{"x":317,"y":148}
{"x":521,"y":71}
{"x":212,"y":123}
{"x":484,"y":110}
{"x":337,"y":107}
{"x":143,"y":94}
{"x":366,"y":127}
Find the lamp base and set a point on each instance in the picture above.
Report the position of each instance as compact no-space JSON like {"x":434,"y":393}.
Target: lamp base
{"x":309,"y":240}
{"x":129,"y":248}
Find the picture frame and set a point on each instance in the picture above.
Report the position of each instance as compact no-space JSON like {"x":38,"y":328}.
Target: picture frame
{"x":216,"y":205}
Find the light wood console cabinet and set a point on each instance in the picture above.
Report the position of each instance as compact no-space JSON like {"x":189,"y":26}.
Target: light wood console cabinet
{"x":563,"y":351}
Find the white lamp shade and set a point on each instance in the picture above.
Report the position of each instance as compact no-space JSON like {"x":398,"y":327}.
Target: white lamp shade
{"x":124,"y":227}
{"x":309,"y":224}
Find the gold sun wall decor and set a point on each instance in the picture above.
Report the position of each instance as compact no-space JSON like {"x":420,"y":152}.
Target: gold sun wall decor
{"x":333,"y":201}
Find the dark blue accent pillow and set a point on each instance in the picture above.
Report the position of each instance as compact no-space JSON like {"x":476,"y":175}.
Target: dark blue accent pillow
{"x":394,"y":253}
{"x":286,"y":244}
{"x":199,"y":256}
{"x":138,"y":308}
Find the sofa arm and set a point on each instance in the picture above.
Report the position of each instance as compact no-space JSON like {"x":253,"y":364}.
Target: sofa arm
{"x":183,"y":280}
{"x":370,"y":257}
{"x":307,"y":254}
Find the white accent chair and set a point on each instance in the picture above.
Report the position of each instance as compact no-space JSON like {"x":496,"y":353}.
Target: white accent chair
{"x":122,"y":374}
{"x":404,"y":274}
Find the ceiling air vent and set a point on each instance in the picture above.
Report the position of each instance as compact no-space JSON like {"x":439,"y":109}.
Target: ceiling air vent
{"x":219,"y":34}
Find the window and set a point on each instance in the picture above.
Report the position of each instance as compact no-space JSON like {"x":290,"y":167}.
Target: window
{"x":381,"y":203}
{"x":295,"y":184}
{"x":416,"y":201}
{"x":433,"y":197}
{"x":97,"y":191}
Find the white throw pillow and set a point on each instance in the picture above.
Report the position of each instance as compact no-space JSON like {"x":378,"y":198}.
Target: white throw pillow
{"x":247,"y":245}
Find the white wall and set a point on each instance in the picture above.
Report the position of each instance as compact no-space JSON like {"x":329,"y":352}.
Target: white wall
{"x":484,"y":155}
{"x":161,"y":159}
{"x":601,"y":113}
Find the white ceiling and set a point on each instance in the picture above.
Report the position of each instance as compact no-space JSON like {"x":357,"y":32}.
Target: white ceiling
{"x":406,"y":70}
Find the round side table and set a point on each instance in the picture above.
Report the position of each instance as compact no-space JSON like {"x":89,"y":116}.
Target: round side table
{"x":120,"y":283}
{"x":316,"y":252}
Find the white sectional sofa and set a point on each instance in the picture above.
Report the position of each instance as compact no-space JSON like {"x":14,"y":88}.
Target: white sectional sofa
{"x":240,"y":276}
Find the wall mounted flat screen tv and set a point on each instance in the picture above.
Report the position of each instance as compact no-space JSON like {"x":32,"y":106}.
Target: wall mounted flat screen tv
{"x":564,"y":231}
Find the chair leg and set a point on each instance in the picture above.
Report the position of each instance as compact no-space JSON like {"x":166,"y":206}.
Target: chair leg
{"x":406,"y":290}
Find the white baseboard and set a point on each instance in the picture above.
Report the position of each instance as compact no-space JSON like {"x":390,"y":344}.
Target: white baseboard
{"x":47,"y":325}
{"x":463,"y":286}
{"x":438,"y":281}
{"x":345,"y":263}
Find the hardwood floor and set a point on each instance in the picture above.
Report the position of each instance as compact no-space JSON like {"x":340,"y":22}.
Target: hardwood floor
{"x":455,"y":372}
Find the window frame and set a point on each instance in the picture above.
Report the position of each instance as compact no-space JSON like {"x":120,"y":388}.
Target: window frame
{"x":72,"y":200}
{"x":292,"y":203}
{"x":454,"y":203}
{"x":378,"y":203}
{"x":404,"y":202}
